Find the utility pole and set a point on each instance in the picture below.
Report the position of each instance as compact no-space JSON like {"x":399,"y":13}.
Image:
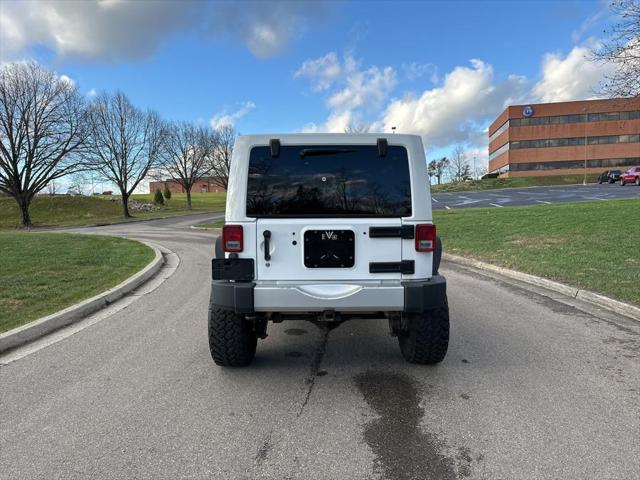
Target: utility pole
{"x":475,"y":175}
{"x":586,"y":118}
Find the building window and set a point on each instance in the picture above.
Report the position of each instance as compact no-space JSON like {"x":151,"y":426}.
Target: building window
{"x":579,"y":118}
{"x":573,"y":141}
{"x":499,"y":151}
{"x":495,"y":134}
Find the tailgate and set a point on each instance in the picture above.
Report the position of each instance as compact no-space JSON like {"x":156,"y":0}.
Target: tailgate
{"x":331,"y":249}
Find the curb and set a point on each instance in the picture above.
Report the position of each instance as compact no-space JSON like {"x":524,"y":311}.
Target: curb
{"x":602,"y":301}
{"x":38,"y":328}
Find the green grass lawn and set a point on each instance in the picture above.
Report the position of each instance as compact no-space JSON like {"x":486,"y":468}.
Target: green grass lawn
{"x":41,"y":273}
{"x":515,"y":182}
{"x":68,"y":211}
{"x":590,"y":245}
{"x":210,"y":225}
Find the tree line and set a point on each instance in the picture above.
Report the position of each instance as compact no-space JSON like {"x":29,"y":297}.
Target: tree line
{"x":457,"y":168}
{"x":49,"y":130}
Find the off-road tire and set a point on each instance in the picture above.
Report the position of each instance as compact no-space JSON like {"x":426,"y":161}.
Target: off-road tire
{"x":427,"y":339}
{"x":232,"y":340}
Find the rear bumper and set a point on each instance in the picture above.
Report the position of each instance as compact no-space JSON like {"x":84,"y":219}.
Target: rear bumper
{"x":408,"y":296}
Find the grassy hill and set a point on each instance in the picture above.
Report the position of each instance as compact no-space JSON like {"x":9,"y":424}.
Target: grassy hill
{"x":48,"y":211}
{"x":515,"y":182}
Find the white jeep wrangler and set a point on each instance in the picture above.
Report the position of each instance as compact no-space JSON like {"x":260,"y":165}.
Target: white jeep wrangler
{"x":328,"y":228}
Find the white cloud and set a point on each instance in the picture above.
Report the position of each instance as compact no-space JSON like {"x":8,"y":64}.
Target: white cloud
{"x":354,"y":90}
{"x":457,"y":110}
{"x":225,"y":118}
{"x":92,"y":93}
{"x":321,"y":71}
{"x":131,"y":29}
{"x":367,"y":88}
{"x":453,"y":112}
{"x":415,"y":71}
{"x":571,"y":77}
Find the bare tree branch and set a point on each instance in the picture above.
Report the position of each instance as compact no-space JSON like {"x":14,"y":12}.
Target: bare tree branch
{"x":622,"y":50}
{"x":225,"y":138}
{"x":42,"y":131}
{"x":459,"y":168}
{"x":124,"y":142}
{"x":187,"y":151}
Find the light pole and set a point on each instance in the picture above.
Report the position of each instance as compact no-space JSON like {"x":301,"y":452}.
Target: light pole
{"x":393,"y":129}
{"x":586,"y":118}
{"x":475,"y":175}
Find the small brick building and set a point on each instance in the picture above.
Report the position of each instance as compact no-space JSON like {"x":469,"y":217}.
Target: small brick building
{"x":202,"y":185}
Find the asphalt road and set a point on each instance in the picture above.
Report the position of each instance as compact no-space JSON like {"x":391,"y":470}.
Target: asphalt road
{"x":534,"y":195}
{"x":532,"y":387}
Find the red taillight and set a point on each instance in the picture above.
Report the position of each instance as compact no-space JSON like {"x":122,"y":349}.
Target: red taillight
{"x":425,"y":238}
{"x":232,"y":238}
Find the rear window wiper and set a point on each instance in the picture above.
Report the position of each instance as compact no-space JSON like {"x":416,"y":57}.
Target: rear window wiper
{"x":317,"y":152}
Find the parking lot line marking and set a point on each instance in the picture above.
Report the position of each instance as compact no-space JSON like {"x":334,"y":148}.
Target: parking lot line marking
{"x":447,"y":207}
{"x":496,"y":205}
{"x":542,"y":201}
{"x":433,"y":198}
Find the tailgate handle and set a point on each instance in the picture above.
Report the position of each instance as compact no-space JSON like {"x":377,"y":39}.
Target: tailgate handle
{"x":267,"y":237}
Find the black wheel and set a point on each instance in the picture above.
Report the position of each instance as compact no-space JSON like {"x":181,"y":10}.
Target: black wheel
{"x":611,"y":180}
{"x":622,"y":184}
{"x":427,"y":339}
{"x":599,"y":181}
{"x":232,"y":339}
{"x":638,"y":181}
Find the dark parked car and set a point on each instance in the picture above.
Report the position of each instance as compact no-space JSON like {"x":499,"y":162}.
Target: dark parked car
{"x":609,"y":176}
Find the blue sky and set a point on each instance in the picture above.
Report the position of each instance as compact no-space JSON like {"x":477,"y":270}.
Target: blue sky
{"x":443,"y":70}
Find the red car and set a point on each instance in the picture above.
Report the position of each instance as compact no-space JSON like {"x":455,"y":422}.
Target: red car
{"x":630,"y":176}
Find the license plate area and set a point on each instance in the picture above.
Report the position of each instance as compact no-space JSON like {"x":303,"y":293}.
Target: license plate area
{"x":329,"y":248}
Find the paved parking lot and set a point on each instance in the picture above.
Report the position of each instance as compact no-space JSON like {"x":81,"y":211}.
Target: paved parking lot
{"x":534,"y":195}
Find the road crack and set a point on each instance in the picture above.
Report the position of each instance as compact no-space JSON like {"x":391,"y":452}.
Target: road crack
{"x":313,"y":373}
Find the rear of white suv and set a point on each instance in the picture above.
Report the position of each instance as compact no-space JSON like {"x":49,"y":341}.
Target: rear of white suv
{"x":328,"y":228}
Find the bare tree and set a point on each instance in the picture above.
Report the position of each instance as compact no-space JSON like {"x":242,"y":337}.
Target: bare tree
{"x":77,"y":184}
{"x":186,"y":154}
{"x":52,"y":188}
{"x":124,"y":142}
{"x":437,"y":168}
{"x":459,"y":168}
{"x":220,"y":161}
{"x":622,"y":50}
{"x":42,"y":129}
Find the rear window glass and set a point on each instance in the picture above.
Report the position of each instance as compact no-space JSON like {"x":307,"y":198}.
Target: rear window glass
{"x":328,"y":181}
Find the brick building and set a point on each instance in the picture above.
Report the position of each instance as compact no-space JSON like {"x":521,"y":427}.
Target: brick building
{"x":560,"y":138}
{"x":202,"y":185}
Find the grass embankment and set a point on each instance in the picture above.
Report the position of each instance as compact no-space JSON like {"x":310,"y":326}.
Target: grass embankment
{"x":57,"y":211}
{"x":514,"y":182}
{"x":46,"y":272}
{"x":590,"y":245}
